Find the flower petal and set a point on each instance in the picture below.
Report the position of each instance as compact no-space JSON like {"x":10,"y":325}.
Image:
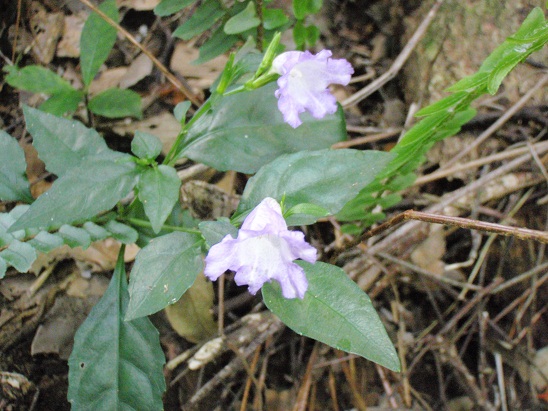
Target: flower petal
{"x":293,"y":281}
{"x":221,"y":257}
{"x":266,"y":218}
{"x":304,"y":81}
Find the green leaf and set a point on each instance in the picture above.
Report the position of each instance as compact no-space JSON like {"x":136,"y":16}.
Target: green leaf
{"x":303,"y":8}
{"x":74,"y":236}
{"x":169,"y":7}
{"x":246,"y":130}
{"x":326,"y":178}
{"x":96,"y":187}
{"x":215,"y":231}
{"x":274,"y":18}
{"x":3,"y":267}
{"x":334,"y":311}
{"x":96,"y":41}
{"x":45,"y":242}
{"x":304,"y":214}
{"x":158,"y":191}
{"x":201,"y":20}
{"x":244,"y":20}
{"x":62,"y":144}
{"x":121,"y":232}
{"x":116,"y":364}
{"x":37,"y":79}
{"x":444,"y":104}
{"x":95,"y":231}
{"x":217,"y":44}
{"x":145,"y":145}
{"x":312,"y":35}
{"x":62,"y":103}
{"x":299,"y":34}
{"x":115,"y":103}
{"x":162,"y":272}
{"x":19,"y":255}
{"x":14,"y":185}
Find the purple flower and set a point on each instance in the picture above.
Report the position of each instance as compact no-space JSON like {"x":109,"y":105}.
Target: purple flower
{"x":304,"y":82}
{"x":264,"y":251}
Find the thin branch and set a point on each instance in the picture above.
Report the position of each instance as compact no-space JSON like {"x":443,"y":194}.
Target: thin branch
{"x":520,"y":233}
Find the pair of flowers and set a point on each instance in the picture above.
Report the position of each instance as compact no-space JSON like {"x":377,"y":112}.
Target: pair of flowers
{"x":265,"y":249}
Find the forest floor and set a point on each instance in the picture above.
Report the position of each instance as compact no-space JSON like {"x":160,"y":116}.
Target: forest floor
{"x":466,"y":309}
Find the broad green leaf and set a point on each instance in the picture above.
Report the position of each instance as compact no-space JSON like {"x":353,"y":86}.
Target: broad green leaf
{"x":62,"y":103}
{"x":19,"y":255}
{"x":116,"y":364}
{"x":326,"y":178}
{"x":244,"y":20}
{"x":115,"y":103}
{"x":14,"y":185}
{"x":246,"y":130}
{"x":191,"y":317}
{"x":217,"y":44}
{"x":162,"y":272}
{"x":169,"y":7}
{"x":37,"y":79}
{"x":96,"y":187}
{"x":62,"y":144}
{"x":96,"y":41}
{"x":303,"y":8}
{"x":146,"y":145}
{"x":274,"y":18}
{"x":3,"y":267}
{"x":334,"y":311}
{"x":158,"y":191}
{"x":45,"y":242}
{"x":121,"y":232}
{"x":201,"y":20}
{"x":74,"y":236}
{"x":95,"y":231}
{"x":304,"y":214}
{"x":215,"y":231}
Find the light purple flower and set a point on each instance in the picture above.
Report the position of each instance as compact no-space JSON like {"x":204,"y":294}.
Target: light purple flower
{"x":304,"y":82}
{"x":264,"y":250}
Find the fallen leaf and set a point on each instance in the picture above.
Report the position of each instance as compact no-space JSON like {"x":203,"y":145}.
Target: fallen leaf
{"x":164,"y":126}
{"x":69,"y":46}
{"x":139,"y":5}
{"x":200,"y":76}
{"x":47,"y":29}
{"x":191,"y":316}
{"x":137,"y":70}
{"x":107,"y":79}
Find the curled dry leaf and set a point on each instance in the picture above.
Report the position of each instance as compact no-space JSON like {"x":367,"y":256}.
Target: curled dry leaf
{"x":47,"y":29}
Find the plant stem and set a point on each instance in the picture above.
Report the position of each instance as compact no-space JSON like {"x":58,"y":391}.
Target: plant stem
{"x":146,"y":224}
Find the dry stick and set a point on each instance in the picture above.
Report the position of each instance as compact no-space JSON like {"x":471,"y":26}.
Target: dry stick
{"x":304,"y":391}
{"x":539,"y":148}
{"x":521,"y":233}
{"x":172,"y":79}
{"x":411,"y":227}
{"x":499,"y":123}
{"x":398,"y":62}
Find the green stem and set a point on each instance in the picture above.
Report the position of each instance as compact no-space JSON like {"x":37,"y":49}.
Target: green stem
{"x":146,"y":224}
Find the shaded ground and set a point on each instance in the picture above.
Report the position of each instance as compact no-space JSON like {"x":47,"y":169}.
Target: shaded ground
{"x":463,"y":347}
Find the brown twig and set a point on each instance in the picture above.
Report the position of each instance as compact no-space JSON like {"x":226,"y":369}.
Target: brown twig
{"x":520,"y":233}
{"x":172,"y":79}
